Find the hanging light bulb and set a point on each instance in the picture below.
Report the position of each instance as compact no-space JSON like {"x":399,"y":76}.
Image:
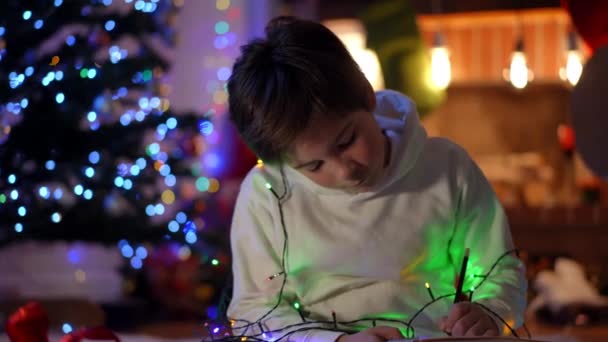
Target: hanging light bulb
{"x":441,"y":70}
{"x":574,"y":66}
{"x":518,"y":74}
{"x":352,"y":34}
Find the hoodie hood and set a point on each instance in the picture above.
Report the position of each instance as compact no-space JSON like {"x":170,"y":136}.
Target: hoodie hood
{"x":396,"y":115}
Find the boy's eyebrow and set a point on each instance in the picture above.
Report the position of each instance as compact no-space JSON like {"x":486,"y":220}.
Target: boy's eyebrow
{"x":301,"y":165}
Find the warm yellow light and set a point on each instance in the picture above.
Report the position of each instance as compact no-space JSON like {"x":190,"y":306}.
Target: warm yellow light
{"x":441,"y":70}
{"x":518,"y":73}
{"x":352,"y":34}
{"x":574,"y":67}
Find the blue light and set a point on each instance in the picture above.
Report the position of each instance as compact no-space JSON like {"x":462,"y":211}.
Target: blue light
{"x":154,"y":148}
{"x":140,"y":116}
{"x":22,"y":211}
{"x":12,"y":179}
{"x":88,"y":194}
{"x":59,"y":97}
{"x":128,"y":184}
{"x":162,"y":129}
{"x":57,"y":4}
{"x":18,"y":227}
{"x":171,"y":123}
{"x":44,"y":192}
{"x":154,"y":102}
{"x":150,"y":210}
{"x":110,"y":24}
{"x":56,"y":217}
{"x":125,"y":119}
{"x":139,"y":5}
{"x":205,"y":127}
{"x":212,"y":312}
{"x":212,"y":160}
{"x":14,"y":195}
{"x":2,"y":31}
{"x":65,"y":327}
{"x":91,"y":116}
{"x":50,"y":165}
{"x":191,"y":237}
{"x":223,"y":73}
{"x":141,"y":162}
{"x":73,"y":256}
{"x":173,"y":226}
{"x":27,"y":15}
{"x":29,"y":71}
{"x":126,"y":251}
{"x":107,"y":2}
{"x":122,"y":91}
{"x":92,"y":73}
{"x":58,"y":193}
{"x":78,"y":189}
{"x":141,"y":252}
{"x":122,"y":242}
{"x":70,"y":40}
{"x":59,"y":75}
{"x":24,"y":103}
{"x":122,"y":169}
{"x":89,"y":172}
{"x":134,"y":170}
{"x":159,"y":209}
{"x":119,"y":181}
{"x":164,"y":170}
{"x":94,"y":156}
{"x":136,"y":263}
{"x":181,"y":217}
{"x":170,"y":180}
{"x":38,"y":24}
{"x":143,"y":102}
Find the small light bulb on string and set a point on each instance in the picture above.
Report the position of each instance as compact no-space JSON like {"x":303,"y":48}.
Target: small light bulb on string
{"x":428,"y":288}
{"x":441,"y":70}
{"x":574,"y":65}
{"x":518,"y":74}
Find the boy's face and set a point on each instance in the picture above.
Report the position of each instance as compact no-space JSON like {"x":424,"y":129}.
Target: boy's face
{"x":347,"y":153}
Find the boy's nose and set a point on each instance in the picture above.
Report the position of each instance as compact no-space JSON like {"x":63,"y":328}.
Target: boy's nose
{"x":347,"y":170}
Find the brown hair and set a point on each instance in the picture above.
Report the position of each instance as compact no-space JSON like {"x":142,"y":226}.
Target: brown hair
{"x":301,"y":68}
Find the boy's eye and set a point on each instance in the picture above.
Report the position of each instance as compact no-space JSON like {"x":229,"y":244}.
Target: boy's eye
{"x":314,"y":167}
{"x":348,"y":142}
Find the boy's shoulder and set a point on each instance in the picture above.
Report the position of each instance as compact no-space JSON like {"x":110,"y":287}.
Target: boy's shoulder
{"x":260,"y":179}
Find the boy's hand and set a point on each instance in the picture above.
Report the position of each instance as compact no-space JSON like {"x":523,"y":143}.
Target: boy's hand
{"x":468,"y":319}
{"x":375,"y":334}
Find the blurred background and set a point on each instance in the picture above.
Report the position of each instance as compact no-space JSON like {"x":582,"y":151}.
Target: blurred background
{"x":119,"y":169}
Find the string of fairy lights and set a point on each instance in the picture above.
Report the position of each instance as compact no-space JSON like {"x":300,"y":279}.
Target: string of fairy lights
{"x":219,"y":331}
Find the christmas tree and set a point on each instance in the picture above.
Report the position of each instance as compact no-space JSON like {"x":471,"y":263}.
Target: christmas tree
{"x":89,"y":147}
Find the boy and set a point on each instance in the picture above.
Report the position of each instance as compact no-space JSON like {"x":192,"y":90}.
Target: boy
{"x":355,"y":209}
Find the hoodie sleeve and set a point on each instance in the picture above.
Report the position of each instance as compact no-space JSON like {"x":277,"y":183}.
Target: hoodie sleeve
{"x":496,"y":276}
{"x":257,"y":248}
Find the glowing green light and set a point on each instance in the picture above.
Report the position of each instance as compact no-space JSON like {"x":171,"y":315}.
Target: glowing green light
{"x":215,"y":262}
{"x":202,"y":184}
{"x":147,"y":75}
{"x":2,"y":198}
{"x":296,"y":305}
{"x":268,"y":186}
{"x":84,"y":72}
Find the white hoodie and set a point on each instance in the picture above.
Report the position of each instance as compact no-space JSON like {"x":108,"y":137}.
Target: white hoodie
{"x":369,"y":255}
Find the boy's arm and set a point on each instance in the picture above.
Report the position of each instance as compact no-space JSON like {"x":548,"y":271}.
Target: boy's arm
{"x":482,"y":226}
{"x":256,"y":255}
